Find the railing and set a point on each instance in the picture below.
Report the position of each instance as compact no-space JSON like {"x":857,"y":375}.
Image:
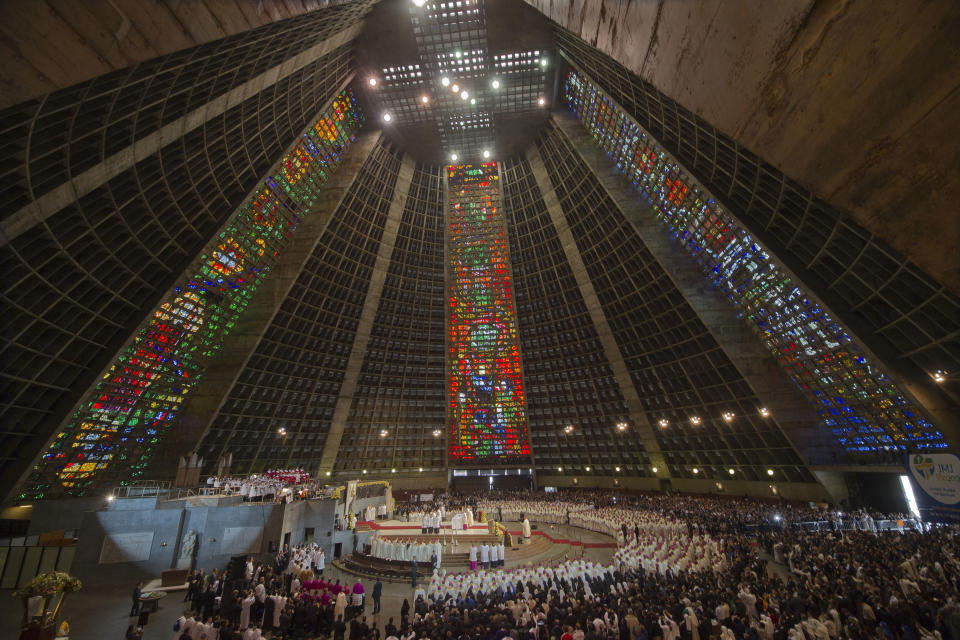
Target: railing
{"x":143,"y":489}
{"x":842,"y":524}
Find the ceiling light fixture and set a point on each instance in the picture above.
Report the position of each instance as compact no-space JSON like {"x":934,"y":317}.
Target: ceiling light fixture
{"x":696,"y":471}
{"x":939,"y":376}
{"x":421,"y":469}
{"x":695,"y":420}
{"x":419,"y":3}
{"x":588,"y":468}
{"x":424,"y":99}
{"x":769,"y":472}
{"x":728,"y":416}
{"x":387,"y":117}
{"x":621,"y":426}
{"x":486,"y":153}
{"x":445,"y":81}
{"x":543,"y":62}
{"x":384,"y":433}
{"x":473,"y":101}
{"x":568,"y":429}
{"x":373,"y":82}
{"x":617,"y":469}
{"x":764,"y":412}
{"x":541,"y":102}
{"x":436,"y":433}
{"x":663,"y":423}
{"x":495,"y":84}
{"x":453,"y":157}
{"x":654,"y":469}
{"x":464,"y":94}
{"x":731,"y":471}
{"x":455,"y":88}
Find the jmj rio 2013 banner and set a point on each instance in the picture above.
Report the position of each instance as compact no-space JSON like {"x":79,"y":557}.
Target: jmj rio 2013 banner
{"x":936,"y":485}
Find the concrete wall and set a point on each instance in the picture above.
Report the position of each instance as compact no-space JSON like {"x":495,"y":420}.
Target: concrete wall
{"x":855,"y":100}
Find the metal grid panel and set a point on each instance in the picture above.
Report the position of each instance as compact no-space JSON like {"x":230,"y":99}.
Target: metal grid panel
{"x":683,"y":378}
{"x":569,"y":380}
{"x":895,"y":308}
{"x":50,"y":140}
{"x":401,"y":388}
{"x":292,"y":380}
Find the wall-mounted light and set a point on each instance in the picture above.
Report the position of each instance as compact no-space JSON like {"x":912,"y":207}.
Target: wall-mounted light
{"x":486,"y":153}
{"x":373,"y":82}
{"x":696,"y":471}
{"x":387,"y":117}
{"x":445,"y":81}
{"x":424,"y":99}
{"x":453,"y":157}
{"x":495,"y":84}
{"x":541,"y":102}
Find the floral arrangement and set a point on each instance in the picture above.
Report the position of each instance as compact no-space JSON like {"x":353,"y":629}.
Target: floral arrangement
{"x":47,"y":585}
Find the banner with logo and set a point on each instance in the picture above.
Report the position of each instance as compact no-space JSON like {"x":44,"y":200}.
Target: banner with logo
{"x":936,"y":485}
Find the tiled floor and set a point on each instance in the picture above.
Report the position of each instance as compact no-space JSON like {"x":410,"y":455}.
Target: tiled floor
{"x":104,"y":612}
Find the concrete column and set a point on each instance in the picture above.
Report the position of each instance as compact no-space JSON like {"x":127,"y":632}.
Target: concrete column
{"x":53,"y":201}
{"x":370,"y":305}
{"x":799,"y":421}
{"x":605,"y":334}
{"x":223,"y":371}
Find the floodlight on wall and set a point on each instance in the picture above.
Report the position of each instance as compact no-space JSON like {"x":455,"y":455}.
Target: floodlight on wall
{"x":940,"y":376}
{"x":421,"y":469}
{"x":437,"y":432}
{"x":731,"y":471}
{"x":424,"y":99}
{"x":387,"y":117}
{"x":495,"y":84}
{"x":384,"y":433}
{"x":393,"y":470}
{"x":364,"y":472}
{"x":560,"y":469}
{"x":327,"y":474}
{"x":486,"y":153}
{"x":764,"y":412}
{"x":453,"y":157}
{"x":654,"y":469}
{"x":769,"y":472}
{"x":696,"y":471}
{"x":445,"y":81}
{"x":695,"y":420}
{"x":588,"y":468}
{"x":541,"y":102}
{"x":568,"y":429}
{"x":617,"y":469}
{"x":728,"y":416}
{"x":455,"y":88}
{"x":621,"y":426}
{"x":464,"y":94}
{"x":663,"y":423}
{"x":543,"y":62}
{"x":473,"y":101}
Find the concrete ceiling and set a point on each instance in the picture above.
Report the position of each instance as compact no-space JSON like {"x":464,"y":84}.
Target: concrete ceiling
{"x":857,"y":101}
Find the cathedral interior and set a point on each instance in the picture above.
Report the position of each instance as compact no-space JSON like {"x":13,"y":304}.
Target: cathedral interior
{"x":658,"y":246}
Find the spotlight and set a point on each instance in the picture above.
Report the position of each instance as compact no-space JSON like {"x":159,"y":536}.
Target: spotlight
{"x":436,"y":432}
{"x":387,"y":117}
{"x":421,"y":469}
{"x":445,"y":81}
{"x":419,"y":3}
{"x":541,"y":102}
{"x":495,"y":84}
{"x":621,"y":426}
{"x":455,"y":88}
{"x":588,"y":468}
{"x":473,"y":101}
{"x":728,"y":416}
{"x":764,"y":412}
{"x":939,"y":376}
{"x":453,"y":157}
{"x":384,"y":433}
{"x":364,"y":471}
{"x":695,"y":420}
{"x":110,"y":498}
{"x":424,"y":99}
{"x":663,"y":423}
{"x":568,"y":429}
{"x":393,"y":470}
{"x":464,"y":94}
{"x":696,"y":471}
{"x":373,"y":82}
{"x":543,"y":62}
{"x":654,"y":469}
{"x":486,"y":153}
{"x":560,"y":469}
{"x":328,"y":474}
{"x":731,"y":471}
{"x":617,"y":469}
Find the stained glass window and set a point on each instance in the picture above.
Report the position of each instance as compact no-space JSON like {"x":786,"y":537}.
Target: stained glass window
{"x":115,"y":430}
{"x":487,"y":407}
{"x":860,"y":404}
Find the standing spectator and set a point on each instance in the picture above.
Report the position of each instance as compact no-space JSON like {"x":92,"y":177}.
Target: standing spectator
{"x":377,"y":591}
{"x":135,"y":609}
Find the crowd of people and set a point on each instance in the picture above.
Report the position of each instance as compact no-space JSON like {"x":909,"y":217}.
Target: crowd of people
{"x":688,"y":568}
{"x":275,"y":485}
